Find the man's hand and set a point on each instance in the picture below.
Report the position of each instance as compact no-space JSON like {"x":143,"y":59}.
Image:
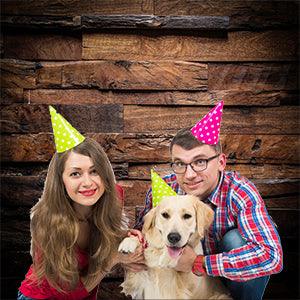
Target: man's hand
{"x":186,"y":260}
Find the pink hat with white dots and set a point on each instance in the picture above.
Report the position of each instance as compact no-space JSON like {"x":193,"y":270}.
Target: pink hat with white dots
{"x":207,"y":130}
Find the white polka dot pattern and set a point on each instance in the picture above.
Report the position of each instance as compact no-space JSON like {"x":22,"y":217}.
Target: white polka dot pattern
{"x":65,"y":135}
{"x":159,"y":189}
{"x":207,"y":130}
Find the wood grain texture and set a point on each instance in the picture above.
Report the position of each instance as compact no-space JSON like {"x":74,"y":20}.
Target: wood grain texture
{"x":253,"y":76}
{"x":155,"y":22}
{"x":27,"y":118}
{"x":162,"y":98}
{"x":124,"y":75}
{"x":76,"y":7}
{"x":36,"y":46}
{"x":18,"y":73}
{"x":249,"y":15}
{"x":267,"y":120}
{"x":236,"y":46}
{"x":137,"y":148}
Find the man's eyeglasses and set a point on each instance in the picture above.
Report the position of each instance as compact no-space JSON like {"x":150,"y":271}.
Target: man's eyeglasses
{"x":198,"y":165}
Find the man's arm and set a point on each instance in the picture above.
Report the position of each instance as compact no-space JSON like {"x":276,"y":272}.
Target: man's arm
{"x":262,"y":254}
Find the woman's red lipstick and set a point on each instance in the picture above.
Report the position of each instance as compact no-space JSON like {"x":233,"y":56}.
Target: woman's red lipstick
{"x":88,"y":193}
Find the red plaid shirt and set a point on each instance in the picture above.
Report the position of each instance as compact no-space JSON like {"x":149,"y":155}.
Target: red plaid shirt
{"x":237,"y":204}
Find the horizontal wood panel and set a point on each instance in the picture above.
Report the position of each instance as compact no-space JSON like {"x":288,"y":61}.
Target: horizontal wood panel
{"x":155,"y":22}
{"x":36,"y":46}
{"x":154,"y":148}
{"x":12,"y":95}
{"x":257,"y":171}
{"x":253,"y":76}
{"x":189,"y":98}
{"x":237,"y":46}
{"x":76,"y":7}
{"x":235,"y":120}
{"x":18,"y":73}
{"x":36,"y":118}
{"x":243,"y":14}
{"x":124,"y":75}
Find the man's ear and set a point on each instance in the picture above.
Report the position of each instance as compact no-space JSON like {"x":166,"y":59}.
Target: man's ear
{"x":205,"y":217}
{"x":149,"y":220}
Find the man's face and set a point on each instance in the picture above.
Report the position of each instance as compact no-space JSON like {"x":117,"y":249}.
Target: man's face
{"x":202,"y":183}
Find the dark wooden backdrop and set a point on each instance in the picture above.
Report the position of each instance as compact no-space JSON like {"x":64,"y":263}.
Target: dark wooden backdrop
{"x":130,"y":74}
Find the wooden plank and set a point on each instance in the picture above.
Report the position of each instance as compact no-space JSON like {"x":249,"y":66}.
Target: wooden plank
{"x":259,"y":171}
{"x":27,"y":118}
{"x":253,"y":76}
{"x":93,"y":96}
{"x":236,"y":46}
{"x":155,"y":22}
{"x":124,"y":75}
{"x":269,"y":120}
{"x":76,"y":7}
{"x":248,"y":15}
{"x":36,"y":46}
{"x":154,"y":148}
{"x":12,"y":95}
{"x":41,"y":22}
{"x":18,"y":74}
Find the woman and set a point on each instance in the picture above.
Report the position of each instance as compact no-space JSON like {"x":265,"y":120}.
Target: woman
{"x":76,"y":227}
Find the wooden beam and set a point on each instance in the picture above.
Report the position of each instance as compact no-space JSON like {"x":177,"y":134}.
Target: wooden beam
{"x":188,"y":98}
{"x":236,"y":46}
{"x":156,"y":22}
{"x":154,"y":148}
{"x":35,"y":118}
{"x":76,"y":7}
{"x":35,"y":46}
{"x":124,"y":75}
{"x":251,"y":120}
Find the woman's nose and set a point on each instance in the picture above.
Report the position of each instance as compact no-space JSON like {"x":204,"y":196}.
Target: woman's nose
{"x":86,"y":180}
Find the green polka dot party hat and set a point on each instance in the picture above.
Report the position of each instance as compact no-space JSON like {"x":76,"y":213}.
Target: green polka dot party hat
{"x":160,"y":189}
{"x":65,"y":135}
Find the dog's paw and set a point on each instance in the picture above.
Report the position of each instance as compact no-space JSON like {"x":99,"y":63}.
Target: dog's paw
{"x":129,"y":245}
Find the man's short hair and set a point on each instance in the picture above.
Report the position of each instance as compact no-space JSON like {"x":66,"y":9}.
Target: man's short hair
{"x":185,"y":139}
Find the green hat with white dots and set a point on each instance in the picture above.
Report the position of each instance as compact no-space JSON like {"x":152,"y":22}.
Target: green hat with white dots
{"x":65,"y":135}
{"x":159,"y":189}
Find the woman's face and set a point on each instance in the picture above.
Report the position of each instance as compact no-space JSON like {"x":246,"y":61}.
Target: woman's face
{"x":82,"y":182}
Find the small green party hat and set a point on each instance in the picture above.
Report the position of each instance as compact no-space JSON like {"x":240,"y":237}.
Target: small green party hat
{"x":159,"y":189}
{"x":65,"y":135}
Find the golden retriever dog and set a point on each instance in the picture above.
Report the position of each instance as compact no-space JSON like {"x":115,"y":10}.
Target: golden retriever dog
{"x":176,"y":222}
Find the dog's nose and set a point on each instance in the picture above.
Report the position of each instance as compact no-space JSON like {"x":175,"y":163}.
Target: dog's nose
{"x":174,"y":237}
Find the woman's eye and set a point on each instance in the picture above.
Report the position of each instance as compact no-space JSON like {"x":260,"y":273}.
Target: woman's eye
{"x":94,"y":172}
{"x":187,"y":216}
{"x":75,"y":174}
{"x":165,"y":215}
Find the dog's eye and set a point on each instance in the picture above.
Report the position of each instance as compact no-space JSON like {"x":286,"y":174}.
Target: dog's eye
{"x":187,"y":216}
{"x":165,"y":215}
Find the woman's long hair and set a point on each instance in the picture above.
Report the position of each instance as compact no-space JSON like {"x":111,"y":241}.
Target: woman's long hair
{"x":55,"y":229}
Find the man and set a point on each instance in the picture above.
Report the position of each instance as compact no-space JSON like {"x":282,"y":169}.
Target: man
{"x":242,"y":246}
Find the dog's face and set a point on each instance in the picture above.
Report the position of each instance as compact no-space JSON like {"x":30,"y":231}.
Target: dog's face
{"x":179,"y":220}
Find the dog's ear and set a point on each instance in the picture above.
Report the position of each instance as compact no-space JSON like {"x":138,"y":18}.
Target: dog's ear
{"x":205,"y":217}
{"x":149,"y":220}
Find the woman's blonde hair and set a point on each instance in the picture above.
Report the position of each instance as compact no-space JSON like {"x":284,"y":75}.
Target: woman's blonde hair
{"x":55,"y":229}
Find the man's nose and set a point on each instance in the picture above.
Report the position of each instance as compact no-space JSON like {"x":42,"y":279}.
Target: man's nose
{"x":189,"y":173}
